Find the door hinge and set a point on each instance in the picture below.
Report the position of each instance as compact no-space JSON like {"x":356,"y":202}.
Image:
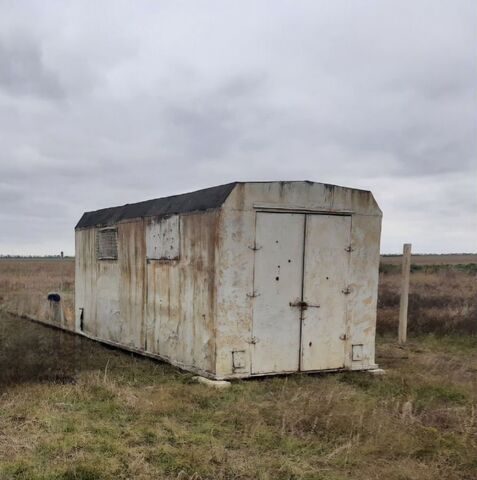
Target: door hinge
{"x":346,"y":290}
{"x":349,"y":249}
{"x":255,"y":247}
{"x":253,"y":294}
{"x":344,"y":336}
{"x":253,"y":341}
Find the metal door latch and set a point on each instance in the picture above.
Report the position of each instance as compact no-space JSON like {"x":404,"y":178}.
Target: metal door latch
{"x":303,"y":305}
{"x":346,"y":291}
{"x":349,"y":249}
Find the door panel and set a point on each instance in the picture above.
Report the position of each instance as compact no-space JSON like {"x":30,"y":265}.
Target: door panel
{"x":325,"y":278}
{"x":278,"y":279}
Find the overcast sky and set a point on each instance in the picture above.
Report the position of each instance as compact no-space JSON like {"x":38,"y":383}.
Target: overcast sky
{"x":106,"y":103}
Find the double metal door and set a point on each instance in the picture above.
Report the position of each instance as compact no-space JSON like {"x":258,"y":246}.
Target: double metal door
{"x":300,"y":287}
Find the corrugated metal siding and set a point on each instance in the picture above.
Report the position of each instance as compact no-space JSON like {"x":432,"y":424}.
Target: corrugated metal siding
{"x":181,"y":296}
{"x":165,"y":307}
{"x":132,"y":262}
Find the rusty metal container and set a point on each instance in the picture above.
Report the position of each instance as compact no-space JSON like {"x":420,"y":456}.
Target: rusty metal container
{"x":234,"y":281}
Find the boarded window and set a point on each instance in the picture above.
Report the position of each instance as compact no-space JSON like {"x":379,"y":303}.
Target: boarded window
{"x":107,"y":244}
{"x":162,"y":239}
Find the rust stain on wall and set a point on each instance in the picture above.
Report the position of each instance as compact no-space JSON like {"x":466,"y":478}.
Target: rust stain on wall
{"x":196,"y":307}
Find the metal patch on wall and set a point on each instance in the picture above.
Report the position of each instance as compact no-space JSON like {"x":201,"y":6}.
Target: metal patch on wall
{"x":238,"y":359}
{"x":357,"y":352}
{"x":163,"y":239}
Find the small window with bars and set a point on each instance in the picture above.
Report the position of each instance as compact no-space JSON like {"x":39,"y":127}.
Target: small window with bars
{"x":107,"y":244}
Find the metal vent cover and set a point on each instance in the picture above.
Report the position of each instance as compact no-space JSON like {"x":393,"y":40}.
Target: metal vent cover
{"x":107,"y":244}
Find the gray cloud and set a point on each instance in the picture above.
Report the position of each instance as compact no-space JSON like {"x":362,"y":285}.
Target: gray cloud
{"x":23,"y":71}
{"x":143,"y":100}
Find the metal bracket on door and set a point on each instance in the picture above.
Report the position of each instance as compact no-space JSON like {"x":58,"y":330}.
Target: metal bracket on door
{"x":346,"y":291}
{"x":253,"y":294}
{"x":254,"y":247}
{"x":303,"y":305}
{"x":349,"y":249}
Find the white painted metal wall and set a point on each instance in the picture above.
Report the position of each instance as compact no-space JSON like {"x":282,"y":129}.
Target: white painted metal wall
{"x":337,"y":231}
{"x":222,"y":292}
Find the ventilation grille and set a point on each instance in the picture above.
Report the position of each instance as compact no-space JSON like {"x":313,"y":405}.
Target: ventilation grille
{"x":107,"y":244}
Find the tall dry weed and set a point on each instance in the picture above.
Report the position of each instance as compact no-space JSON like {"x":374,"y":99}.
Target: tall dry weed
{"x":443,"y":302}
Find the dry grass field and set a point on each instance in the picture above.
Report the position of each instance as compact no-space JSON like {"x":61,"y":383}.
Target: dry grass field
{"x":25,"y":283}
{"x":73,"y":409}
{"x":442,"y":300}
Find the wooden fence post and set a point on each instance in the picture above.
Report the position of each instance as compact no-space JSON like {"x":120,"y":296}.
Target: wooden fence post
{"x":406,"y":269}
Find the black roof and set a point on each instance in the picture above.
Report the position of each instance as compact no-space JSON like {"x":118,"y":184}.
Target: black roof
{"x":204,"y":199}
